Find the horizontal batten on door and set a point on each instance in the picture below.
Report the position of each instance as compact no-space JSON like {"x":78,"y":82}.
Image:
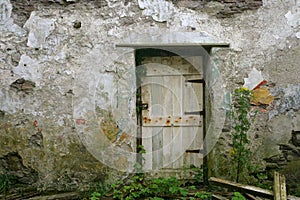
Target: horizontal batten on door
{"x":164,"y":75}
{"x":173,"y":121}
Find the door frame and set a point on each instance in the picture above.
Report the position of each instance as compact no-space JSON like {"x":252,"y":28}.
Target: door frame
{"x":150,"y":52}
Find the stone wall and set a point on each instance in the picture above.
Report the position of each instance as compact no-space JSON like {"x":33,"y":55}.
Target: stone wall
{"x":220,"y":8}
{"x":67,"y":94}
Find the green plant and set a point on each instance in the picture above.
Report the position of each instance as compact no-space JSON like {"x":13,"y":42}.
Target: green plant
{"x":117,"y":191}
{"x":198,"y":176}
{"x":203,"y":195}
{"x":6,"y":181}
{"x":167,"y":187}
{"x":156,"y":188}
{"x":241,"y":109}
{"x":98,"y":189}
{"x":156,"y":198}
{"x":238,"y":196}
{"x":263,"y":180}
{"x":95,"y":196}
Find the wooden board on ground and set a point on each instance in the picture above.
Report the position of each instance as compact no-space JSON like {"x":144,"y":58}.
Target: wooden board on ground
{"x":256,"y":191}
{"x":279,"y":187}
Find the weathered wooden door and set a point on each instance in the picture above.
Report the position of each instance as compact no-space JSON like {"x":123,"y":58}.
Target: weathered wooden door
{"x":172,"y":95}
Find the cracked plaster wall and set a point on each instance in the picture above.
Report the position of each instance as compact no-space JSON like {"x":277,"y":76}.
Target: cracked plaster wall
{"x":67,"y":48}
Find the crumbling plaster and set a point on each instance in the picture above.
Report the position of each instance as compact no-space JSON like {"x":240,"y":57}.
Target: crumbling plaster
{"x":77,"y":68}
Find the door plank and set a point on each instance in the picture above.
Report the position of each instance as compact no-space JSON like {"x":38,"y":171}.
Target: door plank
{"x":186,"y":143}
{"x":167,"y":147}
{"x":177,"y":147}
{"x":156,"y":109}
{"x":197,"y":144}
{"x":176,"y":87}
{"x":147,"y":143}
{"x":192,"y":96}
{"x":157,"y":147}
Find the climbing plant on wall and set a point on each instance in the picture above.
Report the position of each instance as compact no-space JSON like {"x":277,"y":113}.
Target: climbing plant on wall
{"x":241,"y":115}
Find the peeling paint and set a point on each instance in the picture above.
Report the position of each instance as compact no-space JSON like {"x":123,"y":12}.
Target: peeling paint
{"x":159,"y":10}
{"x":293,"y":19}
{"x":6,"y":22}
{"x":261,"y":96}
{"x":5,"y":11}
{"x":254,"y":79}
{"x":39,"y":29}
{"x":29,"y":69}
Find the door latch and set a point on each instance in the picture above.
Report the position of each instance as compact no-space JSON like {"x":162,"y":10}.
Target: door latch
{"x":143,"y":106}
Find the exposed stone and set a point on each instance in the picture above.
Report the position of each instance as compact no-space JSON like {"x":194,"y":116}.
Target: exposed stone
{"x":288,"y":162}
{"x":214,"y":7}
{"x":290,"y":147}
{"x":2,"y":113}
{"x":288,"y":100}
{"x":12,"y":164}
{"x":23,"y":8}
{"x":159,"y":10}
{"x":76,"y":24}
{"x":195,"y":5}
{"x":15,"y":58}
{"x":21,"y":13}
{"x":296,"y":138}
{"x":5,"y":11}
{"x":6,"y":22}
{"x":36,"y":140}
{"x":23,"y":85}
{"x":276,"y":159}
{"x":292,"y":175}
{"x":220,"y":8}
{"x":272,"y":166}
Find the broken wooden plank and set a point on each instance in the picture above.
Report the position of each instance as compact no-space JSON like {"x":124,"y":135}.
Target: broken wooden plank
{"x":247,"y":189}
{"x":250,"y":196}
{"x":276,"y":186}
{"x":242,"y":188}
{"x":279,"y":187}
{"x":218,"y":197}
{"x":290,"y":197}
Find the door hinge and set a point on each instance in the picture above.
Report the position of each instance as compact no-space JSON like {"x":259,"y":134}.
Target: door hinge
{"x":194,"y":151}
{"x":202,"y":112}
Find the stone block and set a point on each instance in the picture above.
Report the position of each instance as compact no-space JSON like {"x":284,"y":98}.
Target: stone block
{"x":296,"y":138}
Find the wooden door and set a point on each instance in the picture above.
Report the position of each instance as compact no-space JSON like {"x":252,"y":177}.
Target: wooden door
{"x":172,"y":122}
